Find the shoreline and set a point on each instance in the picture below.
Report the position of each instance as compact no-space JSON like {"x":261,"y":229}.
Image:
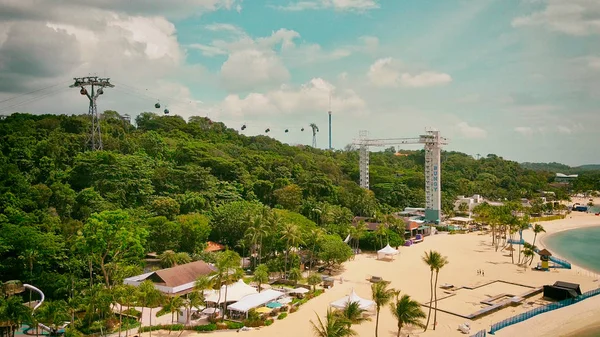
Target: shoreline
{"x":558,"y":226}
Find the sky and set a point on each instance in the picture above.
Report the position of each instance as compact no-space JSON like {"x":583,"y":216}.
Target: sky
{"x":516,"y":78}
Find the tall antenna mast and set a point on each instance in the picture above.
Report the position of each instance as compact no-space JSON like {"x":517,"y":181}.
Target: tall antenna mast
{"x":96,"y":85}
{"x":330,"y":119}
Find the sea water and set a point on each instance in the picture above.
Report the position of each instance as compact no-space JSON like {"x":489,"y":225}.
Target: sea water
{"x":578,"y":246}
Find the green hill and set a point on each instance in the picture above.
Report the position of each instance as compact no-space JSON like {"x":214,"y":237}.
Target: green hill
{"x":71,"y":217}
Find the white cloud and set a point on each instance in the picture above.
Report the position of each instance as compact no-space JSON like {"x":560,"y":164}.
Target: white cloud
{"x":471,"y":132}
{"x":339,"y":5}
{"x":572,"y":17}
{"x":524,"y":130}
{"x":311,"y":97}
{"x":253,"y":69}
{"x":386,"y":72}
{"x":207,"y":50}
{"x":425,"y":79}
{"x":471,"y":98}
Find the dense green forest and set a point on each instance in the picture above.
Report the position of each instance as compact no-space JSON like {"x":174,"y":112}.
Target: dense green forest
{"x":588,"y":179}
{"x":70,"y":217}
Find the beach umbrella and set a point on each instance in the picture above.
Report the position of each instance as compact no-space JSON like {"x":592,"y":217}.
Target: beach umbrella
{"x":263,"y":310}
{"x":274,"y":305}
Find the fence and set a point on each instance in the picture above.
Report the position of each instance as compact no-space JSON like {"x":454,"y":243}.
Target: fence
{"x":481,"y":333}
{"x":553,"y":306}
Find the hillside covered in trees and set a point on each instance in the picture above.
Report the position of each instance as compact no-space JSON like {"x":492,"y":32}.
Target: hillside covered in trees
{"x":71,"y":217}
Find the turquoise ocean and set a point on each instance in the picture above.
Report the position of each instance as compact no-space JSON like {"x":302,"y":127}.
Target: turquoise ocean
{"x":578,"y":246}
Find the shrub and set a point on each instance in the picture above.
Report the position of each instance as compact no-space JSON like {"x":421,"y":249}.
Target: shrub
{"x":268,"y":322}
{"x":282,"y":315}
{"x":207,"y":327}
{"x":293,"y":309}
{"x":234,"y":325}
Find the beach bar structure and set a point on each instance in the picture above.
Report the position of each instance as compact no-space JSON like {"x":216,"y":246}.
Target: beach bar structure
{"x":256,"y":300}
{"x":363,"y":303}
{"x":544,"y":257}
{"x":562,"y":290}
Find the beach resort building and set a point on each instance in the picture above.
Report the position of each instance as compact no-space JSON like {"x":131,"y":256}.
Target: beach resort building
{"x":565,"y":178}
{"x":178,"y":280}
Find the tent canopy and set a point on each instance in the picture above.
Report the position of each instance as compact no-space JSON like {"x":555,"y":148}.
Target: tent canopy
{"x":353,"y":297}
{"x":256,"y":300}
{"x":387,"y":250}
{"x":299,"y":290}
{"x":235,"y":292}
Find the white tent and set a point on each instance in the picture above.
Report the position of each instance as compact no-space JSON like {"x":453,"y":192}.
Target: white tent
{"x":342,"y":302}
{"x":298,"y":291}
{"x":235,"y":292}
{"x":386,"y":251}
{"x":256,"y":300}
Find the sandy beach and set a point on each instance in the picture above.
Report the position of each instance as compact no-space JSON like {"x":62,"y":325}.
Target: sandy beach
{"x":467,"y":253}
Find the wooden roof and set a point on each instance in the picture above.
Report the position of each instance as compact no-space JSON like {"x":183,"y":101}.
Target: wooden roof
{"x":180,"y":275}
{"x":213,"y":247}
{"x":545,"y":252}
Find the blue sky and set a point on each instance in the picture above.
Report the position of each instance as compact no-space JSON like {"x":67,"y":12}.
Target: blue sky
{"x":518,"y":78}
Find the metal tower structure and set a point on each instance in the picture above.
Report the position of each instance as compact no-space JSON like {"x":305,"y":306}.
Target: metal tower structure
{"x":315,"y":129}
{"x":330,"y":129}
{"x":97,"y":86}
{"x":432,"y":142}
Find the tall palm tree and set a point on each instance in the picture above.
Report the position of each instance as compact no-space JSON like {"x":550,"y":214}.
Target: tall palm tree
{"x":14,"y":312}
{"x":353,"y":313}
{"x":228,"y":263}
{"x":53,"y":314}
{"x":192,"y":300}
{"x":406,"y":312}
{"x":261,"y":276}
{"x":435,"y":261}
{"x":290,"y":233}
{"x":316,"y":235}
{"x":537,"y":228}
{"x":119,"y":297}
{"x":334,"y":326}
{"x":381,"y":233}
{"x":382,"y":296}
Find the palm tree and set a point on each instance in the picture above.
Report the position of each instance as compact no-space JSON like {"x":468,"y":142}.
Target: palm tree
{"x":53,"y":314}
{"x":316,"y":236}
{"x":334,"y":326}
{"x":537,"y":228}
{"x":172,"y":305}
{"x":119,"y":297}
{"x":14,"y":312}
{"x":168,"y":259}
{"x":381,"y":232}
{"x":353,"y":313}
{"x":261,"y":275}
{"x":313,"y":280}
{"x":435,"y":261}
{"x":295,"y":275}
{"x":192,"y":300}
{"x":382,"y":296}
{"x":228,"y":263}
{"x":361,"y":229}
{"x":292,"y":237}
{"x":407,"y":311}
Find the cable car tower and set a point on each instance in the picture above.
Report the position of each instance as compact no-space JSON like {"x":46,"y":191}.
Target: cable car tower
{"x":96,"y":85}
{"x":432,"y":142}
{"x":315,"y":129}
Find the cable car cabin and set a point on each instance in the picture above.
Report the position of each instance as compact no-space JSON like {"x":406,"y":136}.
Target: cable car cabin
{"x":267,"y":130}
{"x":244,"y":127}
{"x":157,"y":105}
{"x":286,"y":130}
{"x":166,"y":111}
{"x":83,"y":91}
{"x":100,"y":91}
{"x":302,"y":129}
